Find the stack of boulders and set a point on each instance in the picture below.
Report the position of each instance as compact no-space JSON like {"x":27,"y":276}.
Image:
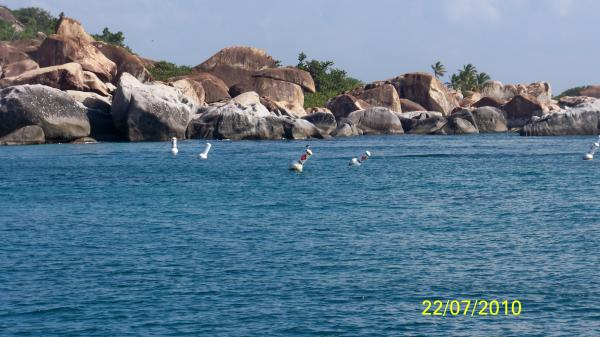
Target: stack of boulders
{"x":67,"y":87}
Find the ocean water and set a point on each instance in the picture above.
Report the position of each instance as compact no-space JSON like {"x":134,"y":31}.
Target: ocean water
{"x":123,"y":239}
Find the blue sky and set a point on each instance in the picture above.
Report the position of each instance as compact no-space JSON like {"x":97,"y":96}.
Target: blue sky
{"x":514,"y":41}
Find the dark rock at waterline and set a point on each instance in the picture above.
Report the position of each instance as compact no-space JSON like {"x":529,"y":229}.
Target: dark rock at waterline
{"x":489,"y":119}
{"x":323,"y":120}
{"x":460,"y":122}
{"x":427,"y":122}
{"x":54,"y":111}
{"x":27,"y":135}
{"x":150,"y":111}
{"x":584,"y":119}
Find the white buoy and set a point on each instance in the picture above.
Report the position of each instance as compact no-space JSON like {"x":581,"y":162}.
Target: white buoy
{"x":298,"y":165}
{"x":590,"y":154}
{"x":174,"y":150}
{"x":357,"y":162}
{"x":204,"y":154}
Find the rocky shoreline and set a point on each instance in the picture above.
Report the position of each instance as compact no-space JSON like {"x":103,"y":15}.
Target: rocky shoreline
{"x":66,"y":87}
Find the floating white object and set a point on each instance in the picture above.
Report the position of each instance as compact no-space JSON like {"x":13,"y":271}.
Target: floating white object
{"x":298,"y":165}
{"x":174,"y":149}
{"x":590,"y":154}
{"x":204,"y":154}
{"x":363,"y":158}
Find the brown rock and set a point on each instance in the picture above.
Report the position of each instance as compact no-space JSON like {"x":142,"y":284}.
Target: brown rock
{"x":72,"y":28}
{"x":289,"y":74}
{"x":488,"y":101}
{"x":426,"y":90}
{"x":342,"y":105}
{"x":94,"y":84}
{"x":288,"y":94}
{"x":191,"y":89}
{"x":58,"y":49}
{"x":317,"y":109}
{"x":235,"y":64}
{"x":591,"y":91}
{"x":383,"y":95}
{"x":15,"y":51}
{"x":65,"y":77}
{"x":520,"y":109}
{"x":408,"y":105}
{"x":470,"y":99}
{"x":215,"y":89}
{"x":19,"y":67}
{"x":125,"y":61}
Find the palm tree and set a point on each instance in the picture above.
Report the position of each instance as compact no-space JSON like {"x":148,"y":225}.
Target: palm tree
{"x":438,"y":69}
{"x":481,"y":79}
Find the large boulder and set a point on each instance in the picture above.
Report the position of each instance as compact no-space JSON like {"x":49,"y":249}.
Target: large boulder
{"x":19,"y":55}
{"x":571,"y":101}
{"x":93,"y":83}
{"x":470,"y":99}
{"x":489,"y":119}
{"x":215,"y":90}
{"x":459,"y":123}
{"x":382,"y":95}
{"x":408,"y":105}
{"x":288,"y":94}
{"x":289,"y":74}
{"x":423,"y":122}
{"x":425,"y":90}
{"x":371,"y":121}
{"x":54,"y":111}
{"x":583,"y":119}
{"x":541,"y":92}
{"x":520,"y":109}
{"x":192,"y":89}
{"x":324,"y":120}
{"x":74,"y":45}
{"x":98,"y":113}
{"x":342,"y":105}
{"x":72,"y":28}
{"x":234,"y":64}
{"x":591,"y":91}
{"x":488,"y":101}
{"x":150,"y":111}
{"x":27,"y":135}
{"x":126,"y":62}
{"x":19,"y":67}
{"x":65,"y":77}
{"x":244,"y":117}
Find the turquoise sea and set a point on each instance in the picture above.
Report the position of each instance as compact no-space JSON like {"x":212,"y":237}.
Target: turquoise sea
{"x":123,"y":239}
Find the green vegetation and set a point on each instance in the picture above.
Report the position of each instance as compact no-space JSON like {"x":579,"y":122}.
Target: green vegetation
{"x":33,"y":19}
{"x":438,"y":69}
{"x":163,"y":70}
{"x":576,"y":91}
{"x":117,"y":39}
{"x":468,"y":79}
{"x":329,"y":81}
{"x":37,"y":20}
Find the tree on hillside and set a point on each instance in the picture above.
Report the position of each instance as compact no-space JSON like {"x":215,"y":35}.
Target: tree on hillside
{"x":34,"y":20}
{"x":329,"y":81}
{"x":118,"y":38}
{"x":438,"y":69}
